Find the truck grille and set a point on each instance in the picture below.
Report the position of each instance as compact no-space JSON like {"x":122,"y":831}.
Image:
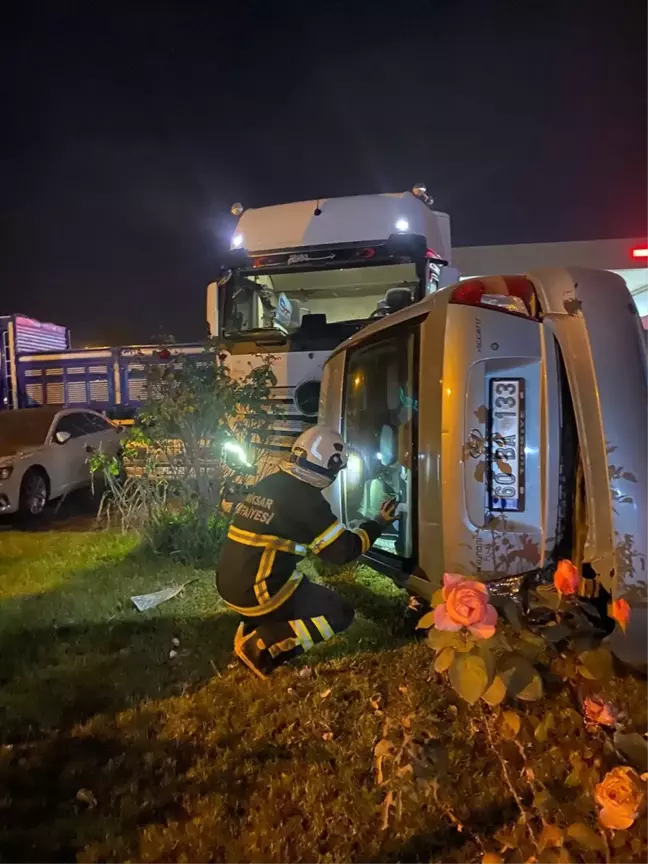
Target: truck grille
{"x":288,"y":421}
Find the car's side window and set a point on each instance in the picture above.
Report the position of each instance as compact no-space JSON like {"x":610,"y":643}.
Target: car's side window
{"x":70,"y":423}
{"x":380,"y":410}
{"x":96,"y":423}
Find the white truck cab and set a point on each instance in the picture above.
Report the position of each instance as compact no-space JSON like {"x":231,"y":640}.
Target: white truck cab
{"x":302,"y":277}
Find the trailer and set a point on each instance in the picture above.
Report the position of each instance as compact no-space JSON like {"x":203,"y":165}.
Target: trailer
{"x":21,"y":335}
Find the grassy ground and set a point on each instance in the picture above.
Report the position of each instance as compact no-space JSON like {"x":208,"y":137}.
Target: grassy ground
{"x":112,"y":750}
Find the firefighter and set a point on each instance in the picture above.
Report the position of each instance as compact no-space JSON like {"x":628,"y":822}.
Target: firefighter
{"x":284,"y":516}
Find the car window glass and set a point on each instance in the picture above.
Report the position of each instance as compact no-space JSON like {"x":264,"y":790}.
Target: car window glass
{"x":70,"y":423}
{"x":379,"y":416}
{"x":96,"y":423}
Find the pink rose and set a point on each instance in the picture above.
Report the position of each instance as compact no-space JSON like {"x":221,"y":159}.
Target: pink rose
{"x":466,"y":605}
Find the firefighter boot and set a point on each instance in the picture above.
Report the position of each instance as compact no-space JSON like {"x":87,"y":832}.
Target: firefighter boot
{"x":251,"y":650}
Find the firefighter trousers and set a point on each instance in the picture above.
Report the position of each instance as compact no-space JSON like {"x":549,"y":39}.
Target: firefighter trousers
{"x":310,"y":615}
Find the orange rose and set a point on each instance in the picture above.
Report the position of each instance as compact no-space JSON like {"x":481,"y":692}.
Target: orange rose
{"x":466,"y":605}
{"x":620,"y":611}
{"x":566,"y":578}
{"x":621,"y":798}
{"x":599,"y":711}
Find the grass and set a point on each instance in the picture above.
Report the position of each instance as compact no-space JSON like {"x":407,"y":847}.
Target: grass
{"x":114,"y":751}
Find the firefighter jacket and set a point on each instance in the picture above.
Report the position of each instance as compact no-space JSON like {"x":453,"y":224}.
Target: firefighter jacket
{"x":278,"y":522}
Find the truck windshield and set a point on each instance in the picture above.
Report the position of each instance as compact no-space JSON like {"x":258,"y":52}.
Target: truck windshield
{"x":257,"y":300}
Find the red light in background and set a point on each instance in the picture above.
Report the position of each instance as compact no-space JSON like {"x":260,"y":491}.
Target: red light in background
{"x":640,"y":253}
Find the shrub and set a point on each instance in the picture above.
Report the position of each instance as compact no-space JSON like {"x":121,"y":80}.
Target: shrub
{"x":198,"y":441}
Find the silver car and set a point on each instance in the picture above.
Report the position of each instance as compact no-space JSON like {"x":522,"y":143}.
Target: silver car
{"x":44,"y":454}
{"x":508,"y":414}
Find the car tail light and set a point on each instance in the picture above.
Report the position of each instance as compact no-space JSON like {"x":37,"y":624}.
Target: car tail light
{"x":512,"y":294}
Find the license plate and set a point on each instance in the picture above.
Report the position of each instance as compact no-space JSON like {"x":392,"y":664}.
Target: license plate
{"x":506,"y":451}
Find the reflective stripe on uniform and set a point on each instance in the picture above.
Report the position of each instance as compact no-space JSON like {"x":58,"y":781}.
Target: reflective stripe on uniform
{"x":301,"y":632}
{"x":286,"y":591}
{"x":327,"y":537}
{"x":268,"y":541}
{"x":284,"y":645}
{"x":324,"y":627}
{"x":265,"y":568}
{"x":271,"y":545}
{"x":364,"y":538}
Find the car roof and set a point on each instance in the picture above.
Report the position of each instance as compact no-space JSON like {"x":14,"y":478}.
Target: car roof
{"x":48,"y":411}
{"x":37,"y":411}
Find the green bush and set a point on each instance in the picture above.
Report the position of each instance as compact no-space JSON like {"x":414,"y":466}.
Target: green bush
{"x":197,"y":443}
{"x":190,"y":535}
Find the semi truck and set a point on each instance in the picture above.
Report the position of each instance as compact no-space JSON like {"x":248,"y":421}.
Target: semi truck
{"x":302,"y":277}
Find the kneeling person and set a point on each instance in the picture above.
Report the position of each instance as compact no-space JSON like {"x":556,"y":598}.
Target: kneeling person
{"x":284,"y":516}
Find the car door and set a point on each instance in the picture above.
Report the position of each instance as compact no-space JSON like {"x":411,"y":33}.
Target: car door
{"x":103,"y":435}
{"x":67,"y":459}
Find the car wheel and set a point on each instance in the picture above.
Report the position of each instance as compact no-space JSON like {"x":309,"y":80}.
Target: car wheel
{"x":33,"y":493}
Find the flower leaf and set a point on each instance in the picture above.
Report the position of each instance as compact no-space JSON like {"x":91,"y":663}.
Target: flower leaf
{"x":521,"y":679}
{"x":495,"y":693}
{"x":439,"y":639}
{"x":597,"y":662}
{"x":551,"y":836}
{"x":443,"y":659}
{"x":469,"y":676}
{"x":437,"y":598}
{"x":544,"y":727}
{"x":585,"y":837}
{"x":510,"y":724}
{"x":548,"y":596}
{"x":426,"y":621}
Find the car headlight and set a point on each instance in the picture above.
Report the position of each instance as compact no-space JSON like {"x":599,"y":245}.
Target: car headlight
{"x":5,"y":472}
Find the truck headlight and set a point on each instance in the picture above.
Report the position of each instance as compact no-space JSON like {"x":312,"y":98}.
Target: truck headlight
{"x":5,"y":472}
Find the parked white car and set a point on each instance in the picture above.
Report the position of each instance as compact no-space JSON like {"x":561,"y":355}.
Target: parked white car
{"x":44,"y":454}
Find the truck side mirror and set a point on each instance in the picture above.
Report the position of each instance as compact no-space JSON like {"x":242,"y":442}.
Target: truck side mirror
{"x":62,"y":437}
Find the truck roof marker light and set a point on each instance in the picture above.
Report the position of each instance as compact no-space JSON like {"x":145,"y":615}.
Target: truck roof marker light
{"x":402,"y":224}
{"x":237,"y":241}
{"x":640,"y":253}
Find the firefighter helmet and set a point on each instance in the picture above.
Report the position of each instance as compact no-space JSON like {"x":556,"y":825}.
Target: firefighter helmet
{"x":317,"y":456}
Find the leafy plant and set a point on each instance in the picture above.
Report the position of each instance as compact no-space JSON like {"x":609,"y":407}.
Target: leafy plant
{"x":480,"y":663}
{"x":197,"y":442}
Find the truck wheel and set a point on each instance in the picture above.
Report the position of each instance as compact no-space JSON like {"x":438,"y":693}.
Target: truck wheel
{"x":33,"y":493}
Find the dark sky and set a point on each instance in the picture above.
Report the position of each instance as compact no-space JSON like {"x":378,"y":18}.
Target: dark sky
{"x":128,"y":130}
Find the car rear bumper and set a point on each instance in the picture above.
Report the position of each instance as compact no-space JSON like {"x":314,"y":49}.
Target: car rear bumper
{"x":595,"y":323}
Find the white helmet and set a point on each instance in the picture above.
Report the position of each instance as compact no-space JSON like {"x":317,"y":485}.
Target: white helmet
{"x":317,"y":456}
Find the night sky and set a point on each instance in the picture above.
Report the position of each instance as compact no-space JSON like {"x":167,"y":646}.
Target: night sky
{"x":128,"y":130}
